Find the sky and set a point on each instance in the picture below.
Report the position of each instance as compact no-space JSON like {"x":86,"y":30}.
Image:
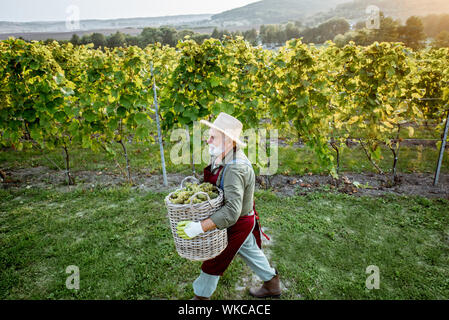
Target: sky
{"x":59,"y":10}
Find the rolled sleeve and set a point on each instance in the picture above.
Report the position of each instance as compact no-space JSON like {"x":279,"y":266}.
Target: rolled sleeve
{"x":233,"y":187}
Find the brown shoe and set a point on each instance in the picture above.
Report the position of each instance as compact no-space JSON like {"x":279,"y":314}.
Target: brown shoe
{"x":269,"y":289}
{"x":199,"y":298}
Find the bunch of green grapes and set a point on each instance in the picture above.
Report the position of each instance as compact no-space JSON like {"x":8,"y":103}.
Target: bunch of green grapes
{"x":183,"y":195}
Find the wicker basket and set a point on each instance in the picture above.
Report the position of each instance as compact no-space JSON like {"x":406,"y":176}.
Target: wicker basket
{"x":207,"y":245}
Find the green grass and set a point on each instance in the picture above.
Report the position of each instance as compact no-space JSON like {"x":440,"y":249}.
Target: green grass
{"x":326,"y":241}
{"x":121,"y":242}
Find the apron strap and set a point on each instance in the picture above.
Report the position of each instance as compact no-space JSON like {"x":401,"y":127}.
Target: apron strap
{"x":258,"y":220}
{"x":232,"y":162}
{"x":245,"y":161}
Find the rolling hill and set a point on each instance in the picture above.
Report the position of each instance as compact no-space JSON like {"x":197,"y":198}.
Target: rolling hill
{"x":85,"y":25}
{"x":274,"y":11}
{"x":399,"y":9}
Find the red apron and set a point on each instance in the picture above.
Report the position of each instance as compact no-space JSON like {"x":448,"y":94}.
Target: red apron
{"x":237,"y":234}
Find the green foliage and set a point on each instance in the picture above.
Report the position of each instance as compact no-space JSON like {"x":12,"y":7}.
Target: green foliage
{"x":431,"y":67}
{"x":298,"y":96}
{"x":63,"y":95}
{"x":213,"y":77}
{"x":33,"y":93}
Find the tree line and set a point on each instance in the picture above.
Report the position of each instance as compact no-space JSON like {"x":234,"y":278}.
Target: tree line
{"x":149,"y":35}
{"x":414,"y":33}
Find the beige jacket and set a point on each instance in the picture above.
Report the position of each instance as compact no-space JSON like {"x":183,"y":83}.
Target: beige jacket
{"x":238,"y":186}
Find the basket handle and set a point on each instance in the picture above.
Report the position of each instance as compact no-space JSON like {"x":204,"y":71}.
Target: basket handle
{"x":186,"y":178}
{"x":199,"y":192}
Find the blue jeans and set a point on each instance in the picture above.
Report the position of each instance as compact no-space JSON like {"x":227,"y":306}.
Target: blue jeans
{"x":205,"y":284}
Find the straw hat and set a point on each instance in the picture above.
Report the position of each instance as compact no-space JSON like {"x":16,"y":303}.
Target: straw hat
{"x":228,"y":125}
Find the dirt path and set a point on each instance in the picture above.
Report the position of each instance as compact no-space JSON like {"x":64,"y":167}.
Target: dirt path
{"x":350,"y":183}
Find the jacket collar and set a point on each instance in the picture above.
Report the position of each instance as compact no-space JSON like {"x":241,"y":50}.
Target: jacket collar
{"x":231,"y":155}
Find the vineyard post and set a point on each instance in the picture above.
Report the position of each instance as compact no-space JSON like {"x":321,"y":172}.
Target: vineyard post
{"x":161,"y":147}
{"x":442,"y":148}
{"x":192,"y":158}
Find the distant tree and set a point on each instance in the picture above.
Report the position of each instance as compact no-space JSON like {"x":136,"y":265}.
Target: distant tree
{"x":262,"y":33}
{"x":219,"y":34}
{"x":441,"y":40}
{"x":443,"y":23}
{"x":116,"y":40}
{"x":272,"y":34}
{"x":340,"y":40}
{"x":49,"y":40}
{"x":292,"y":31}
{"x":362,"y":37}
{"x":326,"y":31}
{"x":337,"y":26}
{"x":412,"y":34}
{"x":98,"y":39}
{"x":388,"y":30}
{"x":86,"y":38}
{"x":236,"y":34}
{"x":131,"y":40}
{"x":360,"y":25}
{"x":149,"y":36}
{"x":183,"y":33}
{"x":75,"y":40}
{"x":168,"y":36}
{"x":200,"y":37}
{"x":215,"y":34}
{"x":251,"y":36}
{"x":435,"y":23}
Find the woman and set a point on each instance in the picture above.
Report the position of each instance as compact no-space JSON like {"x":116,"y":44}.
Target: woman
{"x":231,"y":170}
